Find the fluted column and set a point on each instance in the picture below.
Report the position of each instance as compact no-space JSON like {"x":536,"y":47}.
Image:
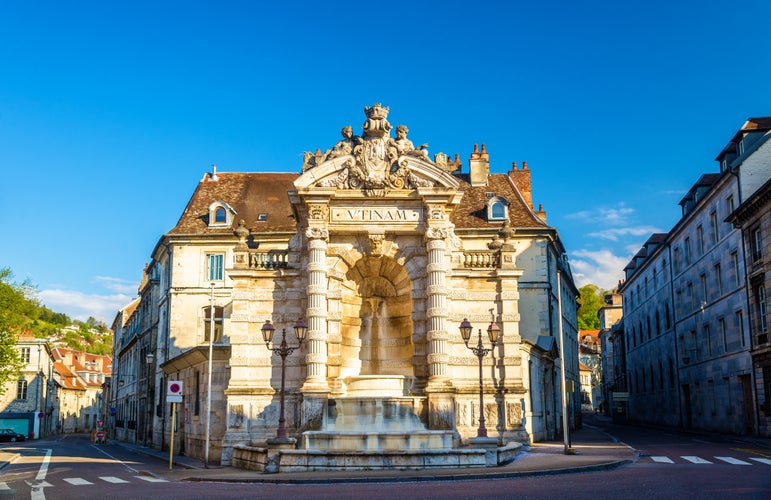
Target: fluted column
{"x":316,"y":359}
{"x":436,"y":311}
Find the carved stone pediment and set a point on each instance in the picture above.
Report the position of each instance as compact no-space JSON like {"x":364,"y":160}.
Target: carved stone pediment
{"x":375,"y":163}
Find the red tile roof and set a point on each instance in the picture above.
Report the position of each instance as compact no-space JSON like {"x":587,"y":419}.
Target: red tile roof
{"x":252,"y":194}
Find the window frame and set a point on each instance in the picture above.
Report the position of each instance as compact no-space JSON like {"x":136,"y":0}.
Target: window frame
{"x":215,"y":271}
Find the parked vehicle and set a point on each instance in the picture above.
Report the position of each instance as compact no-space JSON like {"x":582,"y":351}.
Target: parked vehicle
{"x":10,"y":435}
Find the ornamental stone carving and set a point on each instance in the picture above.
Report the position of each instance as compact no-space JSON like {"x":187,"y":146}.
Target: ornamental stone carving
{"x":317,"y":233}
{"x":377,"y":162}
{"x":318,"y":212}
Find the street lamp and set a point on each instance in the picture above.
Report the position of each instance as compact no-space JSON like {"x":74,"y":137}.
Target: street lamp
{"x":493,"y":331}
{"x":300,"y":330}
{"x":149,"y":358}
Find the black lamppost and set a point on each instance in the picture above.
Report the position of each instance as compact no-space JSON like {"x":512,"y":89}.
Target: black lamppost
{"x":149,"y":358}
{"x":493,"y":331}
{"x":283,"y":350}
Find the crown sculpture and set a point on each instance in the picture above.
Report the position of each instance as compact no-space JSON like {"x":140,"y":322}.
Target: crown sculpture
{"x":375,"y":162}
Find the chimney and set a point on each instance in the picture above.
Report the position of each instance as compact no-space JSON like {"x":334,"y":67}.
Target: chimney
{"x":521,"y":179}
{"x":479,"y":166}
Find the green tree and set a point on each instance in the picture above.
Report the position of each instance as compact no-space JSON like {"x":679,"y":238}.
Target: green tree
{"x":14,"y":308}
{"x":591,"y":302}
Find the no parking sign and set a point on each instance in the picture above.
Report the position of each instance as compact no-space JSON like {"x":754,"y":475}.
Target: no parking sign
{"x":174,"y":391}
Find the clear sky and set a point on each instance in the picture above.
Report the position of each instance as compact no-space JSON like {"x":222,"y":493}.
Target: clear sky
{"x":111,"y":112}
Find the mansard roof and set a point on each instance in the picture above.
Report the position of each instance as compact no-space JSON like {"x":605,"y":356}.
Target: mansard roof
{"x":255,"y":193}
{"x":471,"y":212}
{"x":259,"y":199}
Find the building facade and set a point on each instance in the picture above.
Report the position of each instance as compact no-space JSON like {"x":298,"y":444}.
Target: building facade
{"x":383,"y":252}
{"x":753,"y":219}
{"x":27,"y":405}
{"x":685,"y":318}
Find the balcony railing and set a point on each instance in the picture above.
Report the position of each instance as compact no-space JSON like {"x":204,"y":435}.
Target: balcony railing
{"x":481,"y":259}
{"x":272,"y":259}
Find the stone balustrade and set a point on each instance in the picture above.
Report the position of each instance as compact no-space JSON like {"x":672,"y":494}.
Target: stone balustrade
{"x":271,"y":259}
{"x":485,"y":259}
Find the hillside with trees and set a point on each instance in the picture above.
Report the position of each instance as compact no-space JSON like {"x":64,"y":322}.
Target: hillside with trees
{"x":20,"y":311}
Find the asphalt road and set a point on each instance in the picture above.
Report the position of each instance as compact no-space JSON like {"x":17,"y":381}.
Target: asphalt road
{"x":671,"y":465}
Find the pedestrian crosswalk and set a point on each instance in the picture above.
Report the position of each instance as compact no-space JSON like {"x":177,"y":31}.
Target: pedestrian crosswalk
{"x":79,"y":481}
{"x":692,"y":459}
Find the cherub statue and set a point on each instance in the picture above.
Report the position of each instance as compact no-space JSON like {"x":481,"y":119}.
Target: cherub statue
{"x":401,"y":145}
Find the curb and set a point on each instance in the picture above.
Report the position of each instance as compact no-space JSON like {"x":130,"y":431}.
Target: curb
{"x":411,"y":479}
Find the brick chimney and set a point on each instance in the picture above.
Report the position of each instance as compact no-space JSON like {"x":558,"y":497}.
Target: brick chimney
{"x":479,"y":166}
{"x":521,"y":179}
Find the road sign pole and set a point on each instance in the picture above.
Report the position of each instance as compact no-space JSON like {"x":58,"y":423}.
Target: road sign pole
{"x":171,"y":443}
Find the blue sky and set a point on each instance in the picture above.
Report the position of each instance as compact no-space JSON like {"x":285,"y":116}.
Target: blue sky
{"x":111,"y":112}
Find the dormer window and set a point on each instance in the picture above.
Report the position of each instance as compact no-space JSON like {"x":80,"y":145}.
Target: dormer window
{"x":221,"y":214}
{"x":497,"y":208}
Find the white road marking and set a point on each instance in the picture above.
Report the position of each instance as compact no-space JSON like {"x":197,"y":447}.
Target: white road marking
{"x":151,"y":479}
{"x":77,"y":481}
{"x":100,"y":450}
{"x":662,"y":460}
{"x":766,"y":461}
{"x":4,"y":487}
{"x":733,"y":461}
{"x":38,"y":493}
{"x":112,"y":479}
{"x":696,"y":460}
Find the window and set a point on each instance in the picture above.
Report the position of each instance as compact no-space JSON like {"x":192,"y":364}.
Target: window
{"x":197,"y":404}
{"x":700,"y":239}
{"x":24,"y":353}
{"x":690,"y":296}
{"x":214,"y":270}
{"x":21,"y":389}
{"x":760,"y":307}
{"x":655,"y":280}
{"x":729,"y":203}
{"x":719,"y":280}
{"x":668,"y":318}
{"x":707,"y":338}
{"x":721,"y":322}
{"x":497,"y":208}
{"x":677,"y":260}
{"x":217,"y":324}
{"x":739,"y":315}
{"x":703,"y":279}
{"x":735,"y":265}
{"x":713,"y":227}
{"x":688,"y":251}
{"x":220,"y":216}
{"x":757,"y":244}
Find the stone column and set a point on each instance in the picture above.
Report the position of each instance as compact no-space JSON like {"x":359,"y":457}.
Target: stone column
{"x":436,"y":311}
{"x":316,"y":360}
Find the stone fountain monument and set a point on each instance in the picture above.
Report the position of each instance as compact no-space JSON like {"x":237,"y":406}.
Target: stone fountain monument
{"x":372,"y":254}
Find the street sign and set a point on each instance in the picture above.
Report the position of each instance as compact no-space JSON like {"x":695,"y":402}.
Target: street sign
{"x":174,"y":391}
{"x":620,"y":396}
{"x":112,"y":411}
{"x":99,"y":424}
{"x":41,"y":415}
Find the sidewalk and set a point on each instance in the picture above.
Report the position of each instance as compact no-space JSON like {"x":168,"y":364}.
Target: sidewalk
{"x":593,"y":450}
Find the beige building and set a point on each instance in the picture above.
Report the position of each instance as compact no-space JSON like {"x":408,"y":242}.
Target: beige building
{"x":27,"y":404}
{"x":383,"y":252}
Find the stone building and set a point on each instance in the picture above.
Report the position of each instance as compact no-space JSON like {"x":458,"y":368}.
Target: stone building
{"x":383,"y":252}
{"x":753,"y":218}
{"x":685,"y":318}
{"x":27,"y":404}
{"x":78,"y":377}
{"x":612,"y":350}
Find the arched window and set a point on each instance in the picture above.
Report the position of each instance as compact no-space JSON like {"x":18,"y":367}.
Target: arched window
{"x":497,"y":208}
{"x":220,"y":216}
{"x":218,"y":312}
